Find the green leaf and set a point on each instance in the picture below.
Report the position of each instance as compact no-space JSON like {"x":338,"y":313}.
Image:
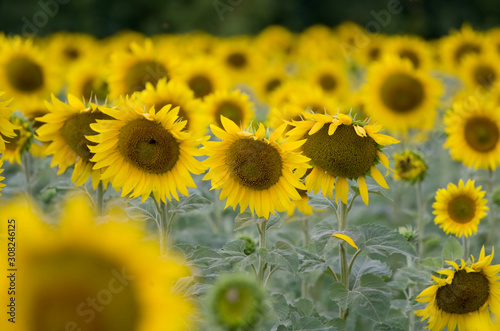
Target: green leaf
{"x":364,"y":265}
{"x":236,"y":245}
{"x":283,"y":256}
{"x":246,"y":219}
{"x":409,"y":276}
{"x":432,"y":263}
{"x":190,"y":203}
{"x":306,"y":323}
{"x":371,"y":299}
{"x":274,"y":222}
{"x":280,"y":306}
{"x":304,"y":306}
{"x":318,"y":201}
{"x":452,"y":250}
{"x":381,"y":240}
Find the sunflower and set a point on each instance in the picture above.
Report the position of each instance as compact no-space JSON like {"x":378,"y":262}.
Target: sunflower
{"x":6,"y":126}
{"x":286,"y":113}
{"x":341,"y":148}
{"x":130,"y":71}
{"x":176,"y":94}
{"x":276,"y":42}
{"x":88,"y":80}
{"x":253,"y":171}
{"x":459,"y":44}
{"x":480,"y":71}
{"x":67,"y":128}
{"x":231,"y":104}
{"x":473,"y":128}
{"x":399,"y":97}
{"x":373,"y":51}
{"x":313,"y":98}
{"x":17,"y":145}
{"x":67,"y":48}
{"x":412,"y":48}
{"x":25,"y":72}
{"x":204,"y":75}
{"x":330,"y":76}
{"x":270,"y":78}
{"x":236,"y":56}
{"x":410,"y":166}
{"x":459,"y":209}
{"x":464,"y":298}
{"x":83,"y":276}
{"x":301,"y":205}
{"x":145,"y":151}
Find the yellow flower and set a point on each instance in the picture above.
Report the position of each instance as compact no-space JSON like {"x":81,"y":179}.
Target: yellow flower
{"x":88,"y":80}
{"x":145,"y":151}
{"x":231,"y":104}
{"x":459,"y":209}
{"x":399,"y":97}
{"x":130,"y":71}
{"x":24,"y":71}
{"x":67,"y":128}
{"x":6,"y":127}
{"x":473,"y":128}
{"x":91,"y":277}
{"x":480,"y":71}
{"x":412,"y":48}
{"x":341,"y":149}
{"x":17,"y":145}
{"x":464,"y":298}
{"x":330,"y":76}
{"x":253,"y":171}
{"x":1,"y":177}
{"x":176,"y":94}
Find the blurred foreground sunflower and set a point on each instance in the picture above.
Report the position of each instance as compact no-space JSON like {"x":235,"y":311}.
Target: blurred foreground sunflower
{"x":89,"y":277}
{"x":465,"y":296}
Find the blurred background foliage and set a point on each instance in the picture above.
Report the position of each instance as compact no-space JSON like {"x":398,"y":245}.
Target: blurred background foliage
{"x":101,"y":18}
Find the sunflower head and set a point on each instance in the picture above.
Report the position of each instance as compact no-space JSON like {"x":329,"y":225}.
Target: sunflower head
{"x":341,"y":148}
{"x":459,"y":209}
{"x":16,"y":146}
{"x":236,"y":302}
{"x":464,"y":297}
{"x":234,"y":105}
{"x":252,"y":170}
{"x":410,"y":166}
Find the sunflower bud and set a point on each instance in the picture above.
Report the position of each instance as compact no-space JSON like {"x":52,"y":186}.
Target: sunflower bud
{"x":236,"y":302}
{"x":410,"y":166}
{"x":250,"y":244}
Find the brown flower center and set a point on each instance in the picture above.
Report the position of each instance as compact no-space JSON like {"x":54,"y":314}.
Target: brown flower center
{"x":327,"y":82}
{"x":484,"y":75}
{"x":402,"y":93}
{"x":143,"y":72}
{"x":230,"y":110}
{"x":24,"y":74}
{"x":468,"y":292}
{"x":343,"y":154}
{"x":410,"y":55}
{"x":254,"y":164}
{"x":462,"y":209}
{"x":200,"y":85}
{"x":464,"y":49}
{"x":148,"y":146}
{"x":237,"y":60}
{"x":481,"y":134}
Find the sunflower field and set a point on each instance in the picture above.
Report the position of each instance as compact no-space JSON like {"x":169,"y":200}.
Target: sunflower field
{"x":332,"y":179}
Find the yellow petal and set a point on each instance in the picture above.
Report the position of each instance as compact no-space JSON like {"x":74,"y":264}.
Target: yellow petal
{"x":360,"y":131}
{"x":379,"y":178}
{"x":341,"y":189}
{"x":345,"y":119}
{"x":363,"y":190}
{"x":346,"y":238}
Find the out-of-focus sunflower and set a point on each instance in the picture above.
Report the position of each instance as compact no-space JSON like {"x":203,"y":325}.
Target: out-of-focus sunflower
{"x":276,"y":42}
{"x":341,"y":148}
{"x":455,"y":47}
{"x":286,"y":113}
{"x":412,"y":48}
{"x":330,"y":76}
{"x":15,"y":146}
{"x":254,"y":171}
{"x":459,"y":209}
{"x":231,"y":104}
{"x":67,"y":128}
{"x":282,"y":94}
{"x":145,"y":151}
{"x":301,"y":205}
{"x":92,"y":277}
{"x":399,"y":97}
{"x":6,"y":127}
{"x":130,"y":71}
{"x":88,"y":80}
{"x":271,"y":77}
{"x":236,"y":56}
{"x":410,"y":166}
{"x":473,"y":128}
{"x":1,"y":177}
{"x":465,"y":296}
{"x":373,"y":50}
{"x":203,"y":75}
{"x":67,"y":48}
{"x":480,"y":71}
{"x":176,"y":94}
{"x":25,"y":72}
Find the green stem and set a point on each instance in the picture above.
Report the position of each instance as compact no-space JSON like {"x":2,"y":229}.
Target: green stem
{"x":305,"y":230}
{"x":164,"y":228}
{"x":411,"y":327}
{"x":100,"y":199}
{"x":262,"y":244}
{"x":344,"y":269}
{"x":491,"y":216}
{"x":420,"y":219}
{"x":26,"y":165}
{"x":466,"y":246}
